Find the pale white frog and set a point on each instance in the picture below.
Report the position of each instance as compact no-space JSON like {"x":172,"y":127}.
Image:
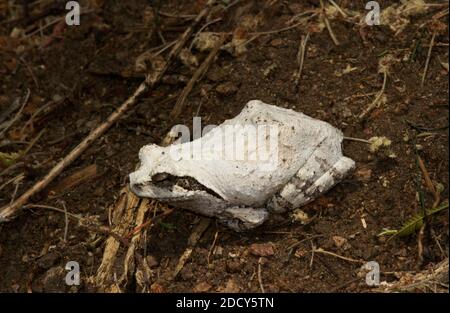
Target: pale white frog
{"x":292,"y":158}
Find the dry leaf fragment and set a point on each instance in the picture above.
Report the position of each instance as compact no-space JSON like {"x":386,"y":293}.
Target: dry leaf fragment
{"x":206,"y":41}
{"x":262,"y":249}
{"x":188,"y":59}
{"x":377,"y":142}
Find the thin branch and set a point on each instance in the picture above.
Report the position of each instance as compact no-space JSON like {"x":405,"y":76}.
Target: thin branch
{"x":177,"y":109}
{"x":148,"y":223}
{"x":194,"y":237}
{"x":429,"y":182}
{"x":320,"y":250}
{"x":94,"y":228}
{"x":185,"y":16}
{"x":261,"y":286}
{"x":377,"y":99}
{"x":301,"y":57}
{"x":31,"y":144}
{"x":66,"y":220}
{"x":328,"y":25}
{"x":276,"y":31}
{"x":18,"y":178}
{"x":30,"y":71}
{"x":201,"y":29}
{"x":15,"y":192}
{"x":10,"y":168}
{"x":357,"y":140}
{"x":16,"y":117}
{"x":427,"y":63}
{"x":212,"y":247}
{"x":340,"y":10}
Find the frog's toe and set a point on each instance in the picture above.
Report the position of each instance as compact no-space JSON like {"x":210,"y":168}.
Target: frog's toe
{"x":241,"y":219}
{"x":304,"y":188}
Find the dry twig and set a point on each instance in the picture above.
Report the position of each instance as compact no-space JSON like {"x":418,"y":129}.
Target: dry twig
{"x":434,"y":278}
{"x":340,"y":10}
{"x":212,"y":247}
{"x":437,"y":199}
{"x":196,"y":234}
{"x":17,"y":116}
{"x":301,"y":57}
{"x":427,"y":62}
{"x":148,"y":223}
{"x":429,"y":182}
{"x":82,"y":221}
{"x":320,"y":250}
{"x":377,"y":99}
{"x":201,"y":29}
{"x":261,"y":286}
{"x":14,"y":179}
{"x":177,"y":109}
{"x":328,"y":25}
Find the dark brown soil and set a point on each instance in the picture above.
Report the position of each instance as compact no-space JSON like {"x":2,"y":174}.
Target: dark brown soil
{"x":84,"y":72}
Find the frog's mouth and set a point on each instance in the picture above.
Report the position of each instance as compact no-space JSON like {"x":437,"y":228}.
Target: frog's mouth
{"x":166,"y":186}
{"x":170,"y":182}
{"x":187,"y":193}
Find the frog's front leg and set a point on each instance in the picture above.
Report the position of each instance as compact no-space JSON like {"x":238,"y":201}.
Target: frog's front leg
{"x":243,"y":218}
{"x":238,"y":218}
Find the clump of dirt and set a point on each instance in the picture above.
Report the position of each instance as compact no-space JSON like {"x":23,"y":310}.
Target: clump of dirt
{"x":78,"y":75}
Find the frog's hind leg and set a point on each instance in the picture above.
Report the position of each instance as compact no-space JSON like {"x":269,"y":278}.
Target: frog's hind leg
{"x":334,"y":175}
{"x":324,"y":169}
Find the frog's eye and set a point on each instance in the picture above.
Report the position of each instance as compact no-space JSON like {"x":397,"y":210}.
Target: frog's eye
{"x":159,"y":177}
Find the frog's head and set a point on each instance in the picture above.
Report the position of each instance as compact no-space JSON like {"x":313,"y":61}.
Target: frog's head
{"x":152,"y":168}
{"x":157,"y":176}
